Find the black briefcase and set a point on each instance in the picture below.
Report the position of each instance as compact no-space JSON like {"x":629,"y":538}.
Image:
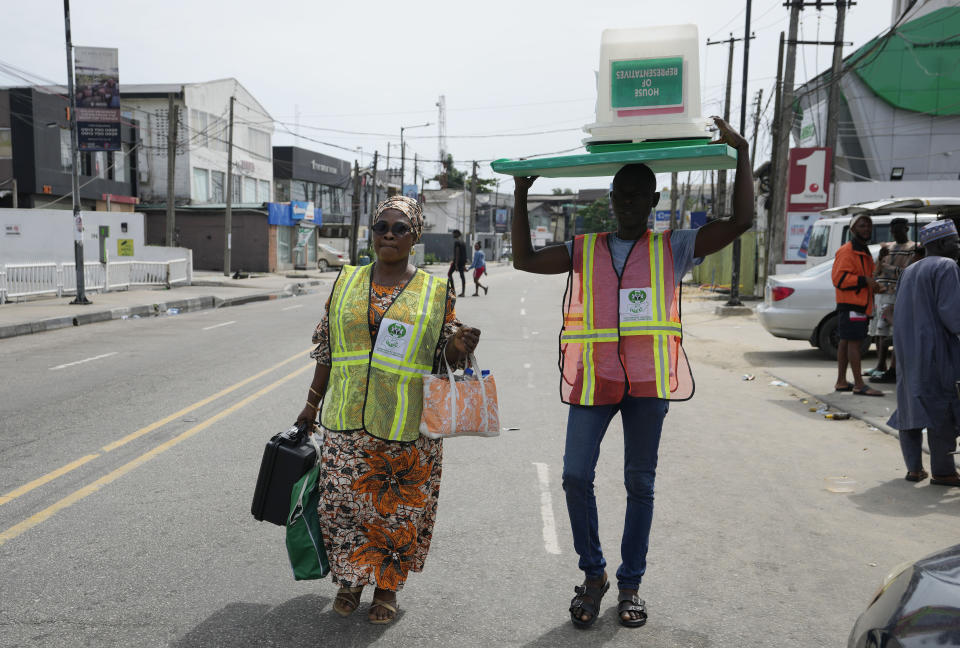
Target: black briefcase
{"x":287,"y":457}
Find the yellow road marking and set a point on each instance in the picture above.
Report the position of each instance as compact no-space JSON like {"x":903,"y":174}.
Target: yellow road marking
{"x":40,"y":481}
{"x":92,"y":487}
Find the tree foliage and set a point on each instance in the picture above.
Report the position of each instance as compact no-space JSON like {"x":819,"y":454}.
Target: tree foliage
{"x":453,"y":178}
{"x":597,"y":217}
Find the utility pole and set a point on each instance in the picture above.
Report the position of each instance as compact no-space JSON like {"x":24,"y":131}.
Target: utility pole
{"x":833,"y":98}
{"x":414,"y":169}
{"x":782,"y":144}
{"x":735,"y":261}
{"x":373,"y":201}
{"x":403,"y":162}
{"x":388,"y":168}
{"x":720,"y":208}
{"x":355,"y":225}
{"x":473,"y":203}
{"x":173,"y":117}
{"x":774,"y":156}
{"x":81,"y":297}
{"x":756,"y":127}
{"x":228,"y":213}
{"x":673,"y":200}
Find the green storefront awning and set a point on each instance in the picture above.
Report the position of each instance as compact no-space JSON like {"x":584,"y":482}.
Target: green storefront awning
{"x":917,"y":67}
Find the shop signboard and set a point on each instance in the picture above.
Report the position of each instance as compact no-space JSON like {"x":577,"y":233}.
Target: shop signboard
{"x":97,"y":88}
{"x":808,"y":193}
{"x":661,"y":220}
{"x":500,"y":223}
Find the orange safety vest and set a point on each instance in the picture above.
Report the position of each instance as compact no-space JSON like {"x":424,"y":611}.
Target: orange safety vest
{"x":622,"y":334}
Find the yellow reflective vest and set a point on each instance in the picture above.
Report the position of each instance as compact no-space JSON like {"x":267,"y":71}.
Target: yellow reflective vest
{"x":376,"y":384}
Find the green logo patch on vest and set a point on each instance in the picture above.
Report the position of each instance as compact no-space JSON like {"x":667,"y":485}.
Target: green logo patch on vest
{"x":392,"y":340}
{"x":635,"y":305}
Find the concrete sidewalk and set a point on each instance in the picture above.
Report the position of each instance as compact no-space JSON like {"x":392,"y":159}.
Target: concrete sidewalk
{"x":209,"y":290}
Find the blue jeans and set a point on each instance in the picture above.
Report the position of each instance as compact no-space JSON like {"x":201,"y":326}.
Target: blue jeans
{"x":642,"y":421}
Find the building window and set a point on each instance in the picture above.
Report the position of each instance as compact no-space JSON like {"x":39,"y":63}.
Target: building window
{"x":217,"y":194}
{"x":6,"y":144}
{"x":201,"y":185}
{"x":236,"y":189}
{"x":263,"y":191}
{"x":281,"y":190}
{"x":283,"y":244}
{"x":219,"y":134}
{"x":199,"y":124}
{"x":66,"y":151}
{"x":118,"y":163}
{"x":259,"y":142}
{"x":249,"y":190}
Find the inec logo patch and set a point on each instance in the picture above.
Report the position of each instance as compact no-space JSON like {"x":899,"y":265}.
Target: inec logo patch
{"x":637,"y":300}
{"x":397,"y":332}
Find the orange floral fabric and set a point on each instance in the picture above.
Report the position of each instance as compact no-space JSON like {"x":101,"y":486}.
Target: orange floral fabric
{"x":378,"y":505}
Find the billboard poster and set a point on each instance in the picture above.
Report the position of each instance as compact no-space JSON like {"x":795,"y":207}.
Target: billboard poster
{"x":661,"y":220}
{"x":411,"y":191}
{"x":500,"y":222}
{"x":808,"y":193}
{"x":97,"y":88}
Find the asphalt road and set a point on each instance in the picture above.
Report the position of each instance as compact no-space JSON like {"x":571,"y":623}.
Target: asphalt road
{"x":129,"y":451}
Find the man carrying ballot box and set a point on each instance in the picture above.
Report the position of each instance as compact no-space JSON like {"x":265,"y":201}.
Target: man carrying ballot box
{"x":621,"y":351}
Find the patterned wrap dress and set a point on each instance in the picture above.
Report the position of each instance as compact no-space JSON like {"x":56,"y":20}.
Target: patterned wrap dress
{"x":378,"y":498}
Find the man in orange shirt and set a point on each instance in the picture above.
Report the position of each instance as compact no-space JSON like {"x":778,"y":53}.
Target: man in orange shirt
{"x":853,"y":278}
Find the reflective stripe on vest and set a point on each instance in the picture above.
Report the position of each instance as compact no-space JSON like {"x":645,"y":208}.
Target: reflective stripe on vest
{"x":373,"y":390}
{"x":597,"y":360}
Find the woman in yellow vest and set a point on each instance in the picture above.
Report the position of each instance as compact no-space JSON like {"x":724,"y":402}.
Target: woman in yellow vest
{"x":387,"y":324}
{"x":620,"y":351}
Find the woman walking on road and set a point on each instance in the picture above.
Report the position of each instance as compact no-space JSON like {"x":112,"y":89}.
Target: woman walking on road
{"x":479,"y":266}
{"x":387,"y":324}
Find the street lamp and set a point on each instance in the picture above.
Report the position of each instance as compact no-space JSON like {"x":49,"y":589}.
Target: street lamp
{"x":403,"y":156}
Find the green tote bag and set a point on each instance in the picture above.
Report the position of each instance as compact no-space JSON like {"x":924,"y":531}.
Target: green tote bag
{"x":308,"y":557}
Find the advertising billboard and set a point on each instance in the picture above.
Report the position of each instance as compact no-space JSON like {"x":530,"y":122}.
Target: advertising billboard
{"x":808,"y":193}
{"x":97,"y":88}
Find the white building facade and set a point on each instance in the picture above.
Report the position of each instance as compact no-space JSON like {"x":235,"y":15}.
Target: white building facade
{"x":202,"y":142}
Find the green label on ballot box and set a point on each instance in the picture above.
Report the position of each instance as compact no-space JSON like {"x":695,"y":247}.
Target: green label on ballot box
{"x":645,"y":84}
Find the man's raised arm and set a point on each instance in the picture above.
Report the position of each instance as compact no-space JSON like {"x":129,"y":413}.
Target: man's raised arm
{"x":715,"y":236}
{"x":553,"y":259}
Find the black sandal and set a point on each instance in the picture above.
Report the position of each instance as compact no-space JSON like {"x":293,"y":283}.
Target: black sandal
{"x":587,"y":601}
{"x":631,"y":603}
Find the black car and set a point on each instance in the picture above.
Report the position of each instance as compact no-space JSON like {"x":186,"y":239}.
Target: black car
{"x":917,"y":605}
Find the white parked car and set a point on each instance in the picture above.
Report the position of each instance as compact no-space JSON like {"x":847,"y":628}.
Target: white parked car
{"x":802,"y":306}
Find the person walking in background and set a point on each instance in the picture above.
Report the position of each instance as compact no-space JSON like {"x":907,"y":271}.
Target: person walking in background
{"x":479,"y":265}
{"x":893,"y":260}
{"x":621,"y":351}
{"x":459,"y":262}
{"x":386,"y":324}
{"x":926,"y":326}
{"x":853,"y":279}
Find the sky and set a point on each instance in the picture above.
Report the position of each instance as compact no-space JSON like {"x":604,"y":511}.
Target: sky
{"x":518,"y":77}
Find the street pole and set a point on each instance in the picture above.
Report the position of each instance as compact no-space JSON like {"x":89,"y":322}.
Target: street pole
{"x":833,"y":99}
{"x":415,"y":170}
{"x":473,"y":203}
{"x":673,"y":200}
{"x":403,"y":163}
{"x":355,"y":225}
{"x":735,"y":261}
{"x":14,"y":181}
{"x":373,"y":201}
{"x":172,"y":120}
{"x":756,"y":127}
{"x":228,"y":212}
{"x":720,"y":207}
{"x":81,"y":297}
{"x":774,"y":156}
{"x":782,"y":144}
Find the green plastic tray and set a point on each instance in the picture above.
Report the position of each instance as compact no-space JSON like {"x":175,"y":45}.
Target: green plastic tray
{"x":705,"y":157}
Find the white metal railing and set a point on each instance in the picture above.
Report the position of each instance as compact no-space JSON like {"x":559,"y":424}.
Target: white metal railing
{"x":33,"y":279}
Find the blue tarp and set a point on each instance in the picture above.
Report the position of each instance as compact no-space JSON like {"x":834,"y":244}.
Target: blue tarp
{"x":291,"y":213}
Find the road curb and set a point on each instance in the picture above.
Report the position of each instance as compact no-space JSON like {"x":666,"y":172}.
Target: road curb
{"x":191,"y":304}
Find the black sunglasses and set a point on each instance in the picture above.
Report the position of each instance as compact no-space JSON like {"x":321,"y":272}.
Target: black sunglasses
{"x":399,"y":228}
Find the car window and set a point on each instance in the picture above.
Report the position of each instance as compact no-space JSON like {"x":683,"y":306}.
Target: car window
{"x":819,"y":241}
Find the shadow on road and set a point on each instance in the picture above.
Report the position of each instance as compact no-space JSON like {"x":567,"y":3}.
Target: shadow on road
{"x":607,"y":628}
{"x":298,"y":623}
{"x":899,"y":498}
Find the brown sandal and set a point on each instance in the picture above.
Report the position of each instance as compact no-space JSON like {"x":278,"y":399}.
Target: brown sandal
{"x":347,"y":600}
{"x":389,"y":606}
